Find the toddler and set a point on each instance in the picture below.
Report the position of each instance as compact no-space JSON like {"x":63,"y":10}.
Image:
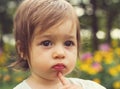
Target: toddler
{"x":47,"y":39}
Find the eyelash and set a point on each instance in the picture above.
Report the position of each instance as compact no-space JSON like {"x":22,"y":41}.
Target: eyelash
{"x":69,"y":43}
{"x":47,"y":43}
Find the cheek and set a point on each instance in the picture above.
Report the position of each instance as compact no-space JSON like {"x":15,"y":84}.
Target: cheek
{"x":73,"y":59}
{"x":73,"y":55}
{"x":73,"y":62}
{"x":71,"y":65}
{"x":39,"y":58}
{"x":39,"y":64}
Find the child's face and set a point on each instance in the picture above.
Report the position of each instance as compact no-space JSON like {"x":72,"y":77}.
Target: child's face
{"x":53,"y":51}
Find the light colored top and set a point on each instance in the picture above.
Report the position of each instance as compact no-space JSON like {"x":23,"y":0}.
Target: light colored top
{"x":85,"y":84}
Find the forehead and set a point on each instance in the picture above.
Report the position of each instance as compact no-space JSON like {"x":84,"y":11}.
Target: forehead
{"x":64,"y":27}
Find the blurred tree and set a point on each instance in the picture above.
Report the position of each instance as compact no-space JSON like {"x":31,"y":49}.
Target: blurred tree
{"x":100,"y":14}
{"x":94,"y":24}
{"x":6,"y":18}
{"x":111,"y":8}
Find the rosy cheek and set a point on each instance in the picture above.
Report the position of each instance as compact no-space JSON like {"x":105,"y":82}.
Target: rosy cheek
{"x":72,"y":62}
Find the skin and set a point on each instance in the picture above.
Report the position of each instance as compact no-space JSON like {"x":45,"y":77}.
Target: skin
{"x":66,"y":84}
{"x":57,"y":45}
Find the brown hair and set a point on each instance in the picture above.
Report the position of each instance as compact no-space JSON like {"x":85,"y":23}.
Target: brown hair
{"x":43,"y":13}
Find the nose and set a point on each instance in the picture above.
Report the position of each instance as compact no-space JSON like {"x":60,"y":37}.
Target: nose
{"x":59,"y":52}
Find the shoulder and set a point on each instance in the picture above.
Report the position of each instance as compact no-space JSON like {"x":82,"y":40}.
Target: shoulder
{"x":22,"y":85}
{"x":86,"y":84}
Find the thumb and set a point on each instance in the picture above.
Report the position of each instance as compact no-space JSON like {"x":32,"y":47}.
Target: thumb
{"x":62,"y":79}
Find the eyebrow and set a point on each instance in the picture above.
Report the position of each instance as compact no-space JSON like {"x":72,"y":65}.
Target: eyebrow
{"x":70,"y":36}
{"x":67,"y":36}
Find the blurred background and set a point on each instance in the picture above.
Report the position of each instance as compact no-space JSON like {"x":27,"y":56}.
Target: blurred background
{"x":100,"y":42}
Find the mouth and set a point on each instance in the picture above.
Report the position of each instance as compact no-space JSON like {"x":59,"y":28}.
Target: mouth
{"x":59,"y":67}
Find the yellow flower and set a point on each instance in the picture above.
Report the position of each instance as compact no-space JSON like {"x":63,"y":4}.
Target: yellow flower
{"x":113,"y":71}
{"x":2,"y":59}
{"x":108,"y":58}
{"x":6,"y":78}
{"x":84,"y":67}
{"x":116,"y":84}
{"x":18,"y":79}
{"x":118,"y":67}
{"x":97,"y":80}
{"x":91,"y":71}
{"x":117,"y":50}
{"x":88,"y":61}
{"x":97,"y":56}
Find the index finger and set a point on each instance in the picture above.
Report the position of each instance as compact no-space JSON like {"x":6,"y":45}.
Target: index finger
{"x":62,"y":79}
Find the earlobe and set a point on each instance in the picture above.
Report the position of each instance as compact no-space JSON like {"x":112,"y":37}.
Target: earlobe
{"x":21,"y":55}
{"x":19,"y":50}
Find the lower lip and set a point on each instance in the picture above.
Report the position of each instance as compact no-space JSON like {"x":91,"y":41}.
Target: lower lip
{"x":59,"y":67}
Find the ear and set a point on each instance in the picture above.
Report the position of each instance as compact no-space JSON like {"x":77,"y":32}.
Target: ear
{"x":19,"y":49}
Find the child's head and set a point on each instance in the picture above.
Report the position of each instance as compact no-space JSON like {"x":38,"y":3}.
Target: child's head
{"x":42,"y":14}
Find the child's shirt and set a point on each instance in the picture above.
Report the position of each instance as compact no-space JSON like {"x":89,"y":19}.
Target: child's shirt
{"x":85,"y":84}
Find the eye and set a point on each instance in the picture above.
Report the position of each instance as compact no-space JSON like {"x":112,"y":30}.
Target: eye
{"x":46,"y":43}
{"x":69,"y":43}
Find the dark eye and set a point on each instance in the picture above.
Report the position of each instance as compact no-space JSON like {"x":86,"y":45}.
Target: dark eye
{"x":46,"y":43}
{"x":69,"y":43}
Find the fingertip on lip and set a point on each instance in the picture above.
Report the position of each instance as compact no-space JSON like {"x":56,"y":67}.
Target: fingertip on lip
{"x":59,"y":73}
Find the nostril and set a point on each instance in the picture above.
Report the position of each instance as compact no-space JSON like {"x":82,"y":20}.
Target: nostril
{"x":58,"y":56}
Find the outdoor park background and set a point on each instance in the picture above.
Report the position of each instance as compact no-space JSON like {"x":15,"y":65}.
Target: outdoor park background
{"x":100,"y":42}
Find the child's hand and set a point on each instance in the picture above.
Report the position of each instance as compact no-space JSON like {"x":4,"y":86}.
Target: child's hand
{"x":66,"y":84}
